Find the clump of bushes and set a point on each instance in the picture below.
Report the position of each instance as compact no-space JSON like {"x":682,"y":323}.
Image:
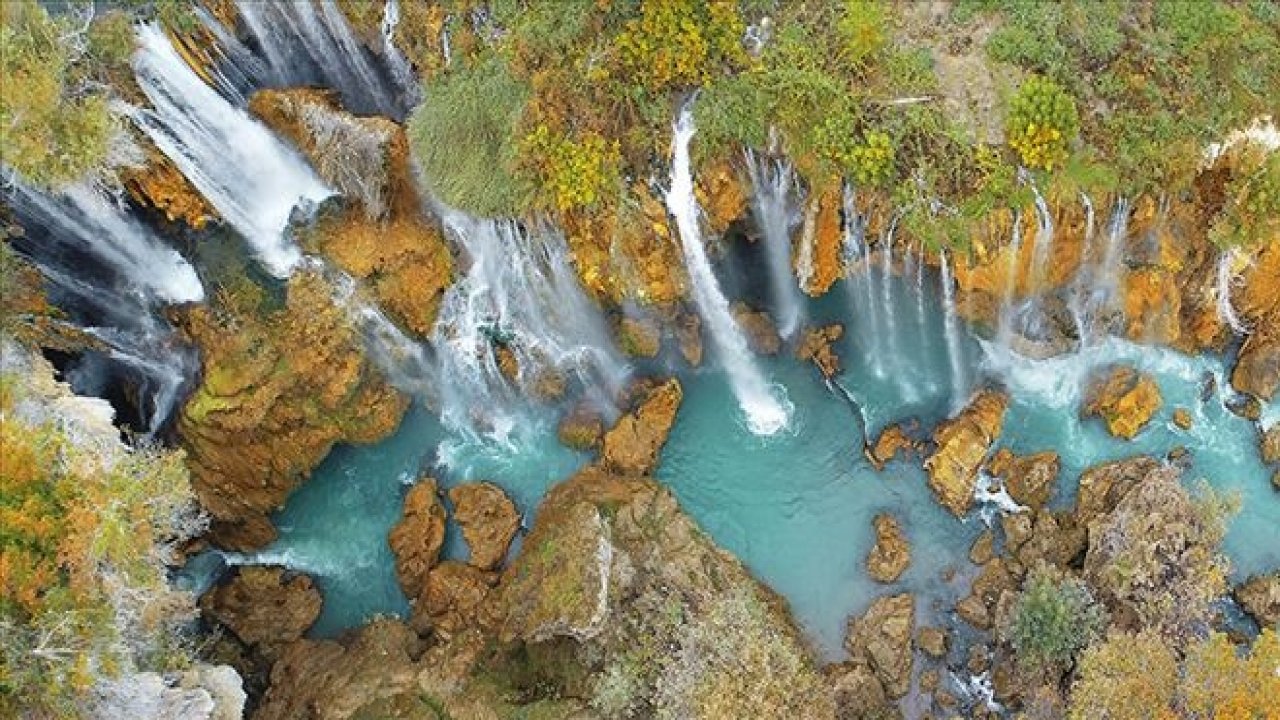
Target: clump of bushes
{"x":1054,"y":618}
{"x":1043,"y":121}
{"x":572,"y":173}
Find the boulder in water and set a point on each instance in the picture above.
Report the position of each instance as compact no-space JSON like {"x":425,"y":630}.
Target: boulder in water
{"x":933,"y":642}
{"x":416,"y":540}
{"x":1029,"y":479}
{"x":892,"y":440}
{"x":582,"y":428}
{"x":962,"y":444}
{"x":632,"y":445}
{"x":1182,"y":419}
{"x":689,"y":337}
{"x":882,"y":638}
{"x":1270,"y":445}
{"x":891,"y":553}
{"x":1124,"y":398}
{"x":762,"y":335}
{"x":639,"y":336}
{"x":815,"y":346}
{"x":489,"y":520}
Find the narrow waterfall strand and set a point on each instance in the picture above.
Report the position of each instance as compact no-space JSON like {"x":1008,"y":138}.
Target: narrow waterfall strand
{"x":955,"y":349}
{"x":771,"y":200}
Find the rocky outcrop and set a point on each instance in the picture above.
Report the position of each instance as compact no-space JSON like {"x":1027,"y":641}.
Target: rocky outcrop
{"x":1260,"y":597}
{"x":1269,"y":446}
{"x":882,"y":638}
{"x":689,"y":337}
{"x":815,"y":346}
{"x":962,"y":444}
{"x":857,"y":692}
{"x":278,"y":389}
{"x":614,"y":570}
{"x":933,"y":641}
{"x":489,"y":521}
{"x":1124,"y":398}
{"x":1029,"y":479}
{"x":454,"y":599}
{"x":757,"y":326}
{"x":1257,"y":370}
{"x":639,"y":336}
{"x":382,"y":236}
{"x":582,"y":428}
{"x":264,"y":607}
{"x":823,"y":233}
{"x":996,"y":579}
{"x":891,"y":553}
{"x":632,"y":445}
{"x":202,"y":692}
{"x":417,"y":538}
{"x":892,"y":441}
{"x":160,"y":186}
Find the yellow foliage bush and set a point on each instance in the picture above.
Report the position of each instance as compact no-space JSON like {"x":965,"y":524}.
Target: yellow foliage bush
{"x":1043,"y":122}
{"x":573,"y":173}
{"x":676,"y":43}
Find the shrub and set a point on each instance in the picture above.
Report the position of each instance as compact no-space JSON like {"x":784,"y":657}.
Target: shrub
{"x":1126,"y":677}
{"x":1054,"y":618}
{"x":675,"y":43}
{"x":871,"y":162}
{"x":1251,"y":213}
{"x":1042,"y":123}
{"x":862,"y":30}
{"x":463,"y":134}
{"x":573,"y":173}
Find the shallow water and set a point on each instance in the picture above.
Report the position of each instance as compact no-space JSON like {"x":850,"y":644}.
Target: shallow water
{"x":795,"y":507}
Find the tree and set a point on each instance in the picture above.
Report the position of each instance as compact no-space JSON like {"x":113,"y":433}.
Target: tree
{"x":1043,"y":122}
{"x":1126,"y":677}
{"x":1054,"y":618}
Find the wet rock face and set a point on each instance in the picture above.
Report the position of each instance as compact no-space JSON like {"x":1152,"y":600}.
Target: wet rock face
{"x":612,"y":570}
{"x":489,"y":521}
{"x":382,"y":236}
{"x":160,"y":186}
{"x":278,"y":389}
{"x":815,"y":346}
{"x":892,"y":441}
{"x":639,"y":337}
{"x":1125,"y":399}
{"x":882,"y":637}
{"x":416,"y":540}
{"x":1270,"y":445}
{"x":631,"y":447}
{"x":265,"y":607}
{"x":762,"y":334}
{"x":1260,"y":597}
{"x":962,"y":444}
{"x":582,"y":428}
{"x":1030,"y":479}
{"x":857,"y":691}
{"x":1257,"y":370}
{"x":891,"y":554}
{"x":689,"y":337}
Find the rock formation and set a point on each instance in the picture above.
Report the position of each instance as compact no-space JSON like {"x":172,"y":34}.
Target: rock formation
{"x":962,"y":444}
{"x":891,"y":553}
{"x":1029,"y":479}
{"x":632,"y":445}
{"x":1260,"y":597}
{"x":417,"y":538}
{"x":265,"y":607}
{"x":882,"y":638}
{"x":1124,"y":398}
{"x":489,"y":520}
{"x":815,"y":346}
{"x":757,"y":326}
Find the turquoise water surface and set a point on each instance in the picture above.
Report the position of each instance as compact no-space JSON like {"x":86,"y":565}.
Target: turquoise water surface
{"x":796,"y":507}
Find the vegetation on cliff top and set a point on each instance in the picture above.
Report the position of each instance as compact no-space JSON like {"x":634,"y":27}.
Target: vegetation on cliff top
{"x":84,"y":530}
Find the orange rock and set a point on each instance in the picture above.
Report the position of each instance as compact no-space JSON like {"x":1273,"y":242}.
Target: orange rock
{"x":1124,"y":398}
{"x":631,"y":447}
{"x":823,"y":231}
{"x":891,"y":554}
{"x":892,"y":441}
{"x":489,"y":520}
{"x":159,"y":185}
{"x":722,"y":193}
{"x":815,"y":346}
{"x":962,"y":444}
{"x":417,"y":538}
{"x":1152,"y":304}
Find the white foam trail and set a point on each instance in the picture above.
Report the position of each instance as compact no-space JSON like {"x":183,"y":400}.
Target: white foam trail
{"x":955,"y":348}
{"x":1226,"y":312}
{"x":1113,"y":256}
{"x":992,"y":498}
{"x":251,"y":178}
{"x":766,"y":408}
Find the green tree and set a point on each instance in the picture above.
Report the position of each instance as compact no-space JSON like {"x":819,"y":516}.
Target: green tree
{"x":1054,"y":618}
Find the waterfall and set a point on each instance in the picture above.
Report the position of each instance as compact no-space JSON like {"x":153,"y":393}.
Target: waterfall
{"x":1113,"y":255}
{"x":1226,"y":312}
{"x":856,"y":249}
{"x":766,"y":412}
{"x":772,"y":184}
{"x":401,"y":70}
{"x":1044,"y":241}
{"x":519,"y":292}
{"x":83,"y":218}
{"x":251,"y":178}
{"x":1080,"y":283}
{"x":955,"y":350}
{"x":922,"y":316}
{"x":1005,"y":331}
{"x":891,"y":347}
{"x":310,"y":43}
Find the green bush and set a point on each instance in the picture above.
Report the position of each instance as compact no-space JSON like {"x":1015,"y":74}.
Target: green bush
{"x":1054,"y":618}
{"x":464,"y":136}
{"x":1042,"y":123}
{"x":573,"y":173}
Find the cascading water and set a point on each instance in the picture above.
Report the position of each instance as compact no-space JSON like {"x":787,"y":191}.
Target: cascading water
{"x":1113,"y":255}
{"x":922,"y":315}
{"x":773,"y":184}
{"x":1226,"y":312}
{"x":766,"y":410}
{"x":1005,"y":329}
{"x":856,"y":250}
{"x":1044,"y":240}
{"x":81,"y":217}
{"x":310,"y":43}
{"x":520,"y":292}
{"x":891,"y":344}
{"x":955,"y":348}
{"x":251,"y":178}
{"x":401,"y":70}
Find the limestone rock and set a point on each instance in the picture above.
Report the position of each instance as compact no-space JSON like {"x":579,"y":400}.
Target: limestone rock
{"x":983,"y":549}
{"x":639,"y":336}
{"x":489,"y":520}
{"x":160,"y":185}
{"x":1182,"y":419}
{"x":276,"y":394}
{"x":631,"y":447}
{"x":1030,"y":479}
{"x":1270,"y":445}
{"x":453,"y":599}
{"x":882,"y":637}
{"x":891,"y":554}
{"x":815,"y":346}
{"x":327,"y":680}
{"x":892,"y":440}
{"x":265,"y":607}
{"x":417,"y":538}
{"x":933,"y":642}
{"x":762,"y":334}
{"x":1257,"y":370}
{"x":962,"y":443}
{"x":857,"y":691}
{"x":1102,"y":486}
{"x":582,"y":428}
{"x":1260,"y":597}
{"x":689,"y":337}
{"x":979,"y":607}
{"x":1124,"y":398}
